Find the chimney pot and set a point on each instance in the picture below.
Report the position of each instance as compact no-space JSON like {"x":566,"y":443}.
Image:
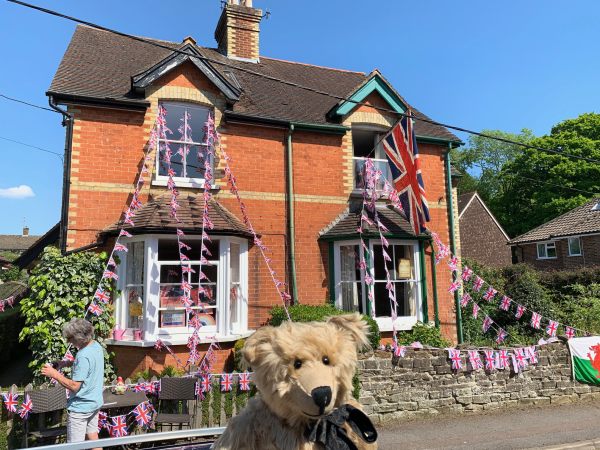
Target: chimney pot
{"x":25,"y":231}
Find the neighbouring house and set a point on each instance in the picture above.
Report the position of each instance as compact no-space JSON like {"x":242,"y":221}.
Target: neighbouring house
{"x":569,"y":241}
{"x":298,"y":157}
{"x":29,"y":258}
{"x":482,"y":238}
{"x":17,"y":243}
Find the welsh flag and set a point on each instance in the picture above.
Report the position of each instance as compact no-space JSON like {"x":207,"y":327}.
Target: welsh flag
{"x":585,"y":358}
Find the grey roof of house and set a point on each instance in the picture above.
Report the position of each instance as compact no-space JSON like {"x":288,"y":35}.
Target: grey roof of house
{"x":584,"y":219}
{"x":16,"y":242}
{"x":99,"y":65}
{"x":463,"y":200}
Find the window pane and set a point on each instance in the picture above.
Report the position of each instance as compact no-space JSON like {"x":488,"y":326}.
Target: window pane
{"x":574,"y":246}
{"x":383,"y":307}
{"x":352,"y":298}
{"x":551,"y":250}
{"x":195,"y":161}
{"x":170,"y":296}
{"x":209,"y":271}
{"x":197,"y":120}
{"x":404,"y":261}
{"x":362,"y":142}
{"x":168,"y":249}
{"x":541,"y":250}
{"x":135,"y":263}
{"x":172,"y":319}
{"x":349,"y":261}
{"x":176,"y":160}
{"x":135,"y":307}
{"x":170,"y":274}
{"x":378,"y":262}
{"x":174,"y":118}
{"x":206,"y":317}
{"x":234,"y":286}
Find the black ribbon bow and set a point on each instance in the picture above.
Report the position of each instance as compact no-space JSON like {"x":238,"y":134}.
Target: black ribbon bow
{"x":329,"y":430}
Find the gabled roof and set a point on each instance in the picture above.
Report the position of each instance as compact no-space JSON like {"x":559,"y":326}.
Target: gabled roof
{"x":30,"y":255}
{"x":466,"y":200}
{"x":582,"y":220}
{"x":154,"y":217}
{"x":16,"y":242}
{"x":99,"y":66}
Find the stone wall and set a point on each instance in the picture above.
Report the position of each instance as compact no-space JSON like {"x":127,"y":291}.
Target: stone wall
{"x":423,"y":383}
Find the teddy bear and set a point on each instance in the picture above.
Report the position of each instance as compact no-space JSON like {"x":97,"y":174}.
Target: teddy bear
{"x":303,"y":373}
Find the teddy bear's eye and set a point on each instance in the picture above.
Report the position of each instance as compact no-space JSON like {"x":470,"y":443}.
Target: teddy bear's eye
{"x":325,"y":360}
{"x":297,"y":364}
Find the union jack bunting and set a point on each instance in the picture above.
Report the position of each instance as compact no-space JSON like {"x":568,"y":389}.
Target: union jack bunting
{"x":466,"y":274}
{"x":226,"y":382}
{"x":477,"y":284}
{"x":141,"y":387}
{"x":569,"y":332}
{"x":10,"y":401}
{"x":532,"y":354}
{"x":111,"y":262}
{"x":535,"y":320}
{"x":205,"y":383}
{"x":124,"y":233}
{"x":142,"y":414}
{"x":475,"y":360}
{"x":502,"y":359}
{"x":118,"y":427}
{"x":110,"y":274}
{"x":454,"y":287}
{"x":186,"y":286}
{"x":552,"y":328}
{"x":2,"y":306}
{"x":102,"y":420}
{"x":501,"y":336}
{"x":515,"y":363}
{"x":26,"y":407}
{"x":490,"y":360}
{"x":184,"y":246}
{"x":464,"y":301}
{"x":490,"y":294}
{"x":120,"y":248}
{"x":180,"y":233}
{"x":101,"y":295}
{"x":519,"y":355}
{"x":487,"y":323}
{"x":454,"y":355}
{"x":10,"y":301}
{"x":158,"y":345}
{"x":453,"y":264}
{"x":399,"y":350}
{"x":128,"y":216}
{"x":68,"y":356}
{"x":520,"y":311}
{"x":400,"y":146}
{"x":505,"y":303}
{"x":187,"y":269}
{"x":244,"y":379}
{"x":135,"y":202}
{"x":95,"y":309}
{"x":475,"y":310}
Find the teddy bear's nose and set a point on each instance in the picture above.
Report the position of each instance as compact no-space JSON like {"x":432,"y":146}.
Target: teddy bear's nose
{"x":321,"y":396}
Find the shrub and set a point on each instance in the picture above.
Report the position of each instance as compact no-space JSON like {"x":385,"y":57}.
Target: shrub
{"x":143,"y":374}
{"x":579,"y":306}
{"x":11,"y":324}
{"x":61,"y":287}
{"x":318,"y":313}
{"x":171,"y":371}
{"x":425,"y":334}
{"x":237,"y":355}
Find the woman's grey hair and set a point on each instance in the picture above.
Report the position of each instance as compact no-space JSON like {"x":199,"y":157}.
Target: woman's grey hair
{"x":78,"y":332}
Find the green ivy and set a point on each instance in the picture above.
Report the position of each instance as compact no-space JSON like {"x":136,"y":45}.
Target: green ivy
{"x":425,"y":334}
{"x":61,"y":288}
{"x":216,"y":402}
{"x":228,"y":403}
{"x":356,"y":386}
{"x":205,"y":407}
{"x":241,"y":398}
{"x":237,"y":355}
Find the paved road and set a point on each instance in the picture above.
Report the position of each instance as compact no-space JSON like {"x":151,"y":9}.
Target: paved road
{"x":552,"y":427}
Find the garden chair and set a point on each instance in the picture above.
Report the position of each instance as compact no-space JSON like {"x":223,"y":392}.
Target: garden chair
{"x":174,"y":400}
{"x":47,"y":407}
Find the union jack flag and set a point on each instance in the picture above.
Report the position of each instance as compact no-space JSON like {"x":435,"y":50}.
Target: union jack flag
{"x":124,"y":233}
{"x":502,"y":359}
{"x":11,"y":401}
{"x":118,"y":428}
{"x":400,"y":146}
{"x":489,"y":360}
{"x":187,"y":269}
{"x":68,"y":356}
{"x":569,"y":332}
{"x":520,"y":311}
{"x":453,"y":264}
{"x":120,"y":248}
{"x":244,"y":379}
{"x":158,"y":345}
{"x":205,"y":383}
{"x":142,"y":414}
{"x":183,"y":245}
{"x":487,"y":323}
{"x":501,"y":336}
{"x":102,"y":420}
{"x":26,"y":407}
{"x":490,"y":294}
{"x":520,"y":358}
{"x":477,"y":284}
{"x":552,"y":328}
{"x":532,"y":354}
{"x":454,"y":287}
{"x":475,"y":310}
{"x":102,"y":296}
{"x":180,"y":233}
{"x":226,"y":382}
{"x":464,"y":301}
{"x":110,"y":274}
{"x":505,"y":303}
{"x":466,"y":274}
{"x":535,"y":320}
{"x":399,"y":350}
{"x":140,"y":387}
{"x":95,"y":309}
{"x":186,"y":286}
{"x":111,"y":262}
{"x":475,"y":360}
{"x":10,"y":301}
{"x":2,"y":306}
{"x":128,"y":216}
{"x":454,"y":355}
{"x":135,"y":202}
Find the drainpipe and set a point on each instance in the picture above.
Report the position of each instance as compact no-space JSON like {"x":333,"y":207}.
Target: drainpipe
{"x":291,"y":223}
{"x":64,"y":212}
{"x":459,"y":329}
{"x":434,"y":283}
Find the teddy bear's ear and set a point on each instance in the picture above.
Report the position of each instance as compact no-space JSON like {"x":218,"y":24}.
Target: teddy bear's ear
{"x":354,"y":325}
{"x":258,"y":344}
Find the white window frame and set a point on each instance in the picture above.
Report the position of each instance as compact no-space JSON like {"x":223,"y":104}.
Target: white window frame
{"x":379,"y":162}
{"x":181,"y":181}
{"x":178,"y":335}
{"x":578,"y":238}
{"x":384,"y":323}
{"x":546,"y":244}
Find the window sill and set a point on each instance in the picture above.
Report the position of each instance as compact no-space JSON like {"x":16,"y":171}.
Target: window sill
{"x":570,"y":256}
{"x":179,"y":340}
{"x":405,"y":323}
{"x":185,"y":184}
{"x":545,"y":259}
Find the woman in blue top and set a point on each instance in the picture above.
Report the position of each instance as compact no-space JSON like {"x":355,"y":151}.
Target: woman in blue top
{"x":86,"y":382}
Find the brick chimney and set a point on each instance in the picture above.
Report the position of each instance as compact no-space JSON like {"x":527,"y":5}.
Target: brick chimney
{"x":237,"y":31}
{"x":25,"y":231}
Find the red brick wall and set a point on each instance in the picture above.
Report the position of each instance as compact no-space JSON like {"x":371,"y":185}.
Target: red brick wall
{"x":590,"y":246}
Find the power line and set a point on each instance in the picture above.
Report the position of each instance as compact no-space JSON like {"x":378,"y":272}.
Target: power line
{"x":33,"y":146}
{"x":297,"y":85}
{"x":552,"y":184}
{"x":26,"y":103}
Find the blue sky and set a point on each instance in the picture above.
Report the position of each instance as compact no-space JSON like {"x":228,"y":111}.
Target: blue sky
{"x":506,"y":65}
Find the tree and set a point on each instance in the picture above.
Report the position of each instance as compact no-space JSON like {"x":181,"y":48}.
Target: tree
{"x":537,"y":186}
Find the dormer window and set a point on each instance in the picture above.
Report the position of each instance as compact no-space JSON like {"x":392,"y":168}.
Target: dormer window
{"x":186,"y":140}
{"x":366,"y":143}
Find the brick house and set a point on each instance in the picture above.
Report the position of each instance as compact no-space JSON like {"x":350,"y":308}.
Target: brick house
{"x":569,"y":241}
{"x":297,"y":156}
{"x":482,"y":238}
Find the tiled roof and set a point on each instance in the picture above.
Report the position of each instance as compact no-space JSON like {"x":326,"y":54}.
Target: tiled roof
{"x":99,"y":65}
{"x":29,"y":256}
{"x":14,"y":289}
{"x":347,"y":223}
{"x":584,"y":219}
{"x":463,"y":200}
{"x":154,"y":217}
{"x":16,"y":242}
